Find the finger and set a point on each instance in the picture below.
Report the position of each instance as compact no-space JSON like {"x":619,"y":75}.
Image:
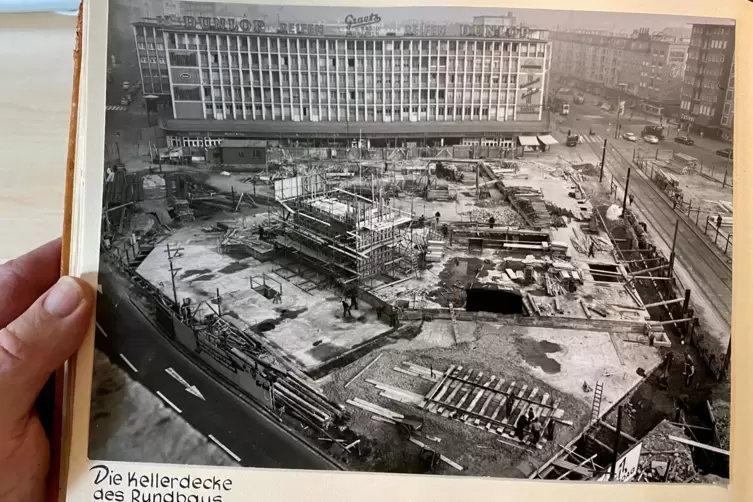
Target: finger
{"x":38,"y":342}
{"x":25,"y":279}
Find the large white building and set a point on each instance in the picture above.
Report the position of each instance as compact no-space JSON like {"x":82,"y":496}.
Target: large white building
{"x":239,"y":77}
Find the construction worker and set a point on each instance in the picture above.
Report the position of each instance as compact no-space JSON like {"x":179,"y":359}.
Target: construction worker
{"x":630,"y":199}
{"x":261,"y":233}
{"x":491,"y":222}
{"x":668,"y":361}
{"x":354,"y":301}
{"x":521,"y":426}
{"x":536,"y":429}
{"x":445,"y":230}
{"x":421,"y":221}
{"x":591,"y":250}
{"x":508,"y":407}
{"x":689,"y":370}
{"x":549,"y":433}
{"x":436,"y":216}
{"x":346,"y":310}
{"x":531,"y":415}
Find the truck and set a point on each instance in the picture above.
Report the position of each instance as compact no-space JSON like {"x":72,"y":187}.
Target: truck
{"x":653,"y":130}
{"x":565,"y":109}
{"x":572,"y":140}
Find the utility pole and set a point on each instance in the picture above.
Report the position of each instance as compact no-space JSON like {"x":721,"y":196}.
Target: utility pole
{"x":616,"y":444}
{"x":672,"y":253}
{"x":171,"y":254}
{"x":627,"y":186}
{"x":603,"y":159}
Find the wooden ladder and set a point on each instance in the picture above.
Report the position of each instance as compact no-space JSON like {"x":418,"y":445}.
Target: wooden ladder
{"x":596,"y":406}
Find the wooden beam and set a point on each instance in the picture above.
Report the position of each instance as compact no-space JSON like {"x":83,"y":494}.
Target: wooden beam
{"x":571,"y":467}
{"x":623,"y":434}
{"x":673,"y":321}
{"x":698,"y":445}
{"x":665,"y":302}
{"x":578,"y":466}
{"x":605,"y":446}
{"x":363,"y":370}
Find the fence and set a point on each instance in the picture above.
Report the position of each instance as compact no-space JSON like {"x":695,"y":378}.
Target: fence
{"x":721,"y":239}
{"x":317,"y":154}
{"x":718,"y":172}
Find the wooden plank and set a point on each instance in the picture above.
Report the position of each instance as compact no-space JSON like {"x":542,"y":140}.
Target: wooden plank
{"x":617,"y":348}
{"x":444,"y":459}
{"x":374,"y":408}
{"x":698,"y":445}
{"x":477,"y":397}
{"x":470,"y":389}
{"x":398,"y":397}
{"x":363,"y":370}
{"x":440,"y":388}
{"x":585,"y":310}
{"x":405,"y":372}
{"x":455,"y":391}
{"x":502,"y":402}
{"x":489,"y":399}
{"x":571,"y":467}
{"x":379,"y":418}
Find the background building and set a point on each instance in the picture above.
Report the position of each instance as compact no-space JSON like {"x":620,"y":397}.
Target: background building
{"x":241,"y":77}
{"x":707,"y":87}
{"x":644,"y":69}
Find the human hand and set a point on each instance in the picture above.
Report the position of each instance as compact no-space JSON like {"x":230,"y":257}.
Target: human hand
{"x":43,"y":320}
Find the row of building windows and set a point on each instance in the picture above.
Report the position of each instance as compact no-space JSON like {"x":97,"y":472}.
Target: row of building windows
{"x":360,"y":114}
{"x":284,"y":79}
{"x":697,"y":109}
{"x":304,"y":45}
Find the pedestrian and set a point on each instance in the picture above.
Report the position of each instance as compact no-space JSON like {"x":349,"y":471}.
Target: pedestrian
{"x":535,"y":431}
{"x":508,"y":407}
{"x":520,"y":428}
{"x":630,"y":199}
{"x":346,"y":310}
{"x":719,"y":221}
{"x":591,"y":250}
{"x":531,"y":415}
{"x":568,"y":132}
{"x":436,"y":215}
{"x":549,"y":433}
{"x":689,"y":371}
{"x":354,"y":301}
{"x":491,"y":222}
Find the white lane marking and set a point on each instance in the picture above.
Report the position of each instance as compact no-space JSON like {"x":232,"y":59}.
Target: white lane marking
{"x":129,"y":363}
{"x":227,"y":450}
{"x":193,"y":390}
{"x":101,"y":330}
{"x":176,"y":376}
{"x":172,"y":405}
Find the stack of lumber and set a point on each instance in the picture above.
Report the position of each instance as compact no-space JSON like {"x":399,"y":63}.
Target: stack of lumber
{"x":582,"y":242}
{"x":553,"y":286}
{"x":530,"y":205}
{"x":306,"y":402}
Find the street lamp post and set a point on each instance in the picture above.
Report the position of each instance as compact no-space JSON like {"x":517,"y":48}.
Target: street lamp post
{"x":117,"y":147}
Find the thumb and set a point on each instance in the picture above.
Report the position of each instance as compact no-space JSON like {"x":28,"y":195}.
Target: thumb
{"x":38,"y":342}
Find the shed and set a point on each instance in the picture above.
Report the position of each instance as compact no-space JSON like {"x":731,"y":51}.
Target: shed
{"x":239,"y":152}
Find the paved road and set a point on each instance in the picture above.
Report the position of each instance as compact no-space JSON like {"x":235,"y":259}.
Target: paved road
{"x":247,"y":432}
{"x":705,"y":264}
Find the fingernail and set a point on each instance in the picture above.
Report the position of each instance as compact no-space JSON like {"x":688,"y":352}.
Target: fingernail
{"x":64,"y":297}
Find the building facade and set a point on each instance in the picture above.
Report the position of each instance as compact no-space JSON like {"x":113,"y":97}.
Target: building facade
{"x":244,"y":78}
{"x":644,"y":69}
{"x":728,"y":112}
{"x":707,"y":89}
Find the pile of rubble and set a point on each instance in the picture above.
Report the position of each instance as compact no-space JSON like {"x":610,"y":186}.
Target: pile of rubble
{"x":504,"y":216}
{"x":721,"y":418}
{"x":665,"y":460}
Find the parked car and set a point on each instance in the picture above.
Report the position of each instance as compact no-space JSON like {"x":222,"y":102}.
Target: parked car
{"x":126,"y":85}
{"x":651,"y":139}
{"x":725,"y":152}
{"x":630,"y":136}
{"x":572,"y":140}
{"x":684,"y":140}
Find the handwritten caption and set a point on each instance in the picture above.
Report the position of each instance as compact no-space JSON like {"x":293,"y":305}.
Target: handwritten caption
{"x":111,"y":485}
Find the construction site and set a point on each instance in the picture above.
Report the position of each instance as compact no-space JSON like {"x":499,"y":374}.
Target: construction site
{"x":453,"y":310}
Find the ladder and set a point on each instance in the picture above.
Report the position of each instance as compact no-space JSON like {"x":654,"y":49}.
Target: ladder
{"x":454,"y":323}
{"x":596,"y":406}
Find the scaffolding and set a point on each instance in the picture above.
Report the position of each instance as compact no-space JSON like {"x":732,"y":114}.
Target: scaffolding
{"x":350,"y":237}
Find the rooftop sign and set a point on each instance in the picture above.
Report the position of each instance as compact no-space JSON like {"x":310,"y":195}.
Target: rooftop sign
{"x":352,"y":21}
{"x":493,"y":31}
{"x":244,"y":25}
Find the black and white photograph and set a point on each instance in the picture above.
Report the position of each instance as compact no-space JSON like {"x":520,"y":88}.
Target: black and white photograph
{"x":440,"y":240}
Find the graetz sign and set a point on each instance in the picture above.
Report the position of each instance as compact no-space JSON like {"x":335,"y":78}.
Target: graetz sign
{"x":493,"y":31}
{"x":230,"y":24}
{"x":352,"y":21}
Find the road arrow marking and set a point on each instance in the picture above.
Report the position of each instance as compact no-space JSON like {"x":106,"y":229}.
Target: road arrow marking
{"x":227,"y":450}
{"x":195,"y":391}
{"x":176,"y":376}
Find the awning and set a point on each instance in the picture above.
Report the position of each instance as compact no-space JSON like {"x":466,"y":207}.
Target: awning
{"x":548,"y":139}
{"x":528,"y":140}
